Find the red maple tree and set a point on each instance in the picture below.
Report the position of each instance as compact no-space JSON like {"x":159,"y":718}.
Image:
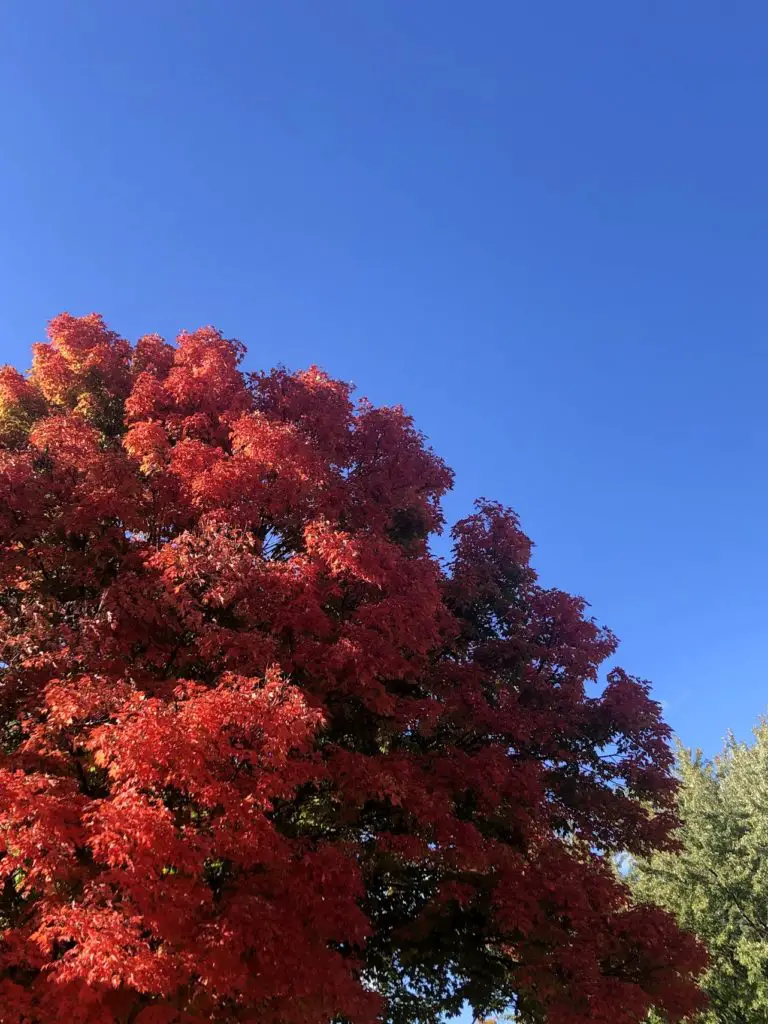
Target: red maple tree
{"x":265,"y":758}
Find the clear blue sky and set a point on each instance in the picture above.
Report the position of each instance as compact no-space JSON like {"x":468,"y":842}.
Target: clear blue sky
{"x":543,"y":227}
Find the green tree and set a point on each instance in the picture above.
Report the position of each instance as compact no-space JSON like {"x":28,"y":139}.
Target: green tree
{"x":717,"y":883}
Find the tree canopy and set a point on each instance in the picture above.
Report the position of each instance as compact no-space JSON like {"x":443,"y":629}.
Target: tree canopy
{"x":716,"y":884}
{"x":264,"y":757}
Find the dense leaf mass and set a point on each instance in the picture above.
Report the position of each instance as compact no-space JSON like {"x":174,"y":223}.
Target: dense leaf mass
{"x":716,"y":883}
{"x":265,"y":758}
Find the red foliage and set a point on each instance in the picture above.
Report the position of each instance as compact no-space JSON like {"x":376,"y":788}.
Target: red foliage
{"x":264,"y":757}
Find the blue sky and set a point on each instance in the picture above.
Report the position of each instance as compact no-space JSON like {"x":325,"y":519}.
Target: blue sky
{"x":542,"y":227}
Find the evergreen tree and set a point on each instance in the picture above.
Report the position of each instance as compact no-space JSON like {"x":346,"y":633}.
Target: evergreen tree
{"x":716,"y":884}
